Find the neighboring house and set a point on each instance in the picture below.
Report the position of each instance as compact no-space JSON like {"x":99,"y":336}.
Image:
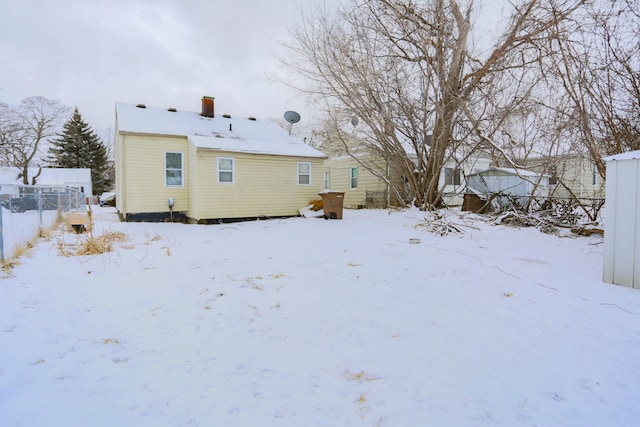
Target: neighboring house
{"x":361,"y":187}
{"x":570,"y":175}
{"x":79,"y":179}
{"x":362,"y":176}
{"x":203,"y":167}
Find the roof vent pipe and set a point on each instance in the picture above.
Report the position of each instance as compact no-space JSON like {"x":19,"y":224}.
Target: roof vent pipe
{"x":208,"y":106}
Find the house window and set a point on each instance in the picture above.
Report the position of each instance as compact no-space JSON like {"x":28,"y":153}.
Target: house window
{"x":594,"y":170}
{"x":304,"y":173}
{"x":353,"y":181}
{"x":327,"y":180}
{"x":552,"y":171}
{"x":226,"y":169}
{"x":173,"y":169}
{"x":451,"y":176}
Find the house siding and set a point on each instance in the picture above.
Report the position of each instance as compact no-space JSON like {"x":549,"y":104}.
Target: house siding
{"x":264,"y":185}
{"x":576,"y":173}
{"x":140,"y":174}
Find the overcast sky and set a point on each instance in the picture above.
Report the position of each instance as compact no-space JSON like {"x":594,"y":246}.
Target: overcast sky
{"x":166,"y":53}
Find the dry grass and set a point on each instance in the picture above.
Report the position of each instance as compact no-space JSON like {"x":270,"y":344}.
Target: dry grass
{"x":360,"y":377}
{"x":92,"y":245}
{"x":101,"y":244}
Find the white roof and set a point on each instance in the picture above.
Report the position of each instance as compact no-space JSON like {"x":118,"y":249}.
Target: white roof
{"x":235,"y":134}
{"x":510,"y":171}
{"x":48,"y":177}
{"x":629,"y":155}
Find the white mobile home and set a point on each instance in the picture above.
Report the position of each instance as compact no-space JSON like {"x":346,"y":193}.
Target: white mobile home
{"x":517,"y":183}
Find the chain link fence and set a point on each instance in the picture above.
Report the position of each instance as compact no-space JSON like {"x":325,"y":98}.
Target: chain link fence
{"x":26,"y":210}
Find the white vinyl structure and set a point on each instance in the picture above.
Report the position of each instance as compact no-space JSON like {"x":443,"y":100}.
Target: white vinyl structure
{"x":622,"y":221}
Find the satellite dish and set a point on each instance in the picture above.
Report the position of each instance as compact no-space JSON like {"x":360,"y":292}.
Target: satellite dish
{"x":354,"y":121}
{"x":292,"y":117}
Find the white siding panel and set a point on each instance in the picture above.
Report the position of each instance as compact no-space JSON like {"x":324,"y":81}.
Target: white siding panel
{"x":611,"y":208}
{"x":622,"y":232}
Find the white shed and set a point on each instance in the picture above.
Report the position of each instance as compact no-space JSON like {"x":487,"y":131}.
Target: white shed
{"x":622,"y":220}
{"x":516,"y":182}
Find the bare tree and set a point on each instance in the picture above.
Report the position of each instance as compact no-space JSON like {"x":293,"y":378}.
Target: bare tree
{"x":24,"y":130}
{"x":596,"y":60}
{"x":406,"y":70}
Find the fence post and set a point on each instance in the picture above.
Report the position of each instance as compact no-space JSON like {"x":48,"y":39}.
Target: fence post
{"x":39,"y":195}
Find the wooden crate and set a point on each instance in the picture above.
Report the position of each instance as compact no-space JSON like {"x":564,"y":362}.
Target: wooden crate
{"x":78,"y":221}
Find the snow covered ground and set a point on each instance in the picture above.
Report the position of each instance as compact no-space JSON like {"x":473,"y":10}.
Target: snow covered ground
{"x":307,"y":322}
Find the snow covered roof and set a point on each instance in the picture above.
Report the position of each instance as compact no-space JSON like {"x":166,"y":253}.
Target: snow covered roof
{"x":235,"y":134}
{"x":629,"y":155}
{"x":54,"y":177}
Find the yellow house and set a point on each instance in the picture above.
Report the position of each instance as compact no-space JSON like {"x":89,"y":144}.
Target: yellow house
{"x":365,"y":178}
{"x":356,"y":178}
{"x":201,"y":167}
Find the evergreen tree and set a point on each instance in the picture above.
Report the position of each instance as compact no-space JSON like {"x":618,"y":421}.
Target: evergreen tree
{"x":79,"y":147}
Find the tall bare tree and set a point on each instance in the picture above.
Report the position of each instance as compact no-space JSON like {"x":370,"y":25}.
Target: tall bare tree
{"x":24,"y":131}
{"x":406,"y":70}
{"x":596,"y":60}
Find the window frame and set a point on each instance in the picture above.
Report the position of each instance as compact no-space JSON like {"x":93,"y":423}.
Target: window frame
{"x":327,"y":180}
{"x":307,"y":174}
{"x":232,"y":171}
{"x":352,"y":178}
{"x":452,"y":176}
{"x":167,"y":169}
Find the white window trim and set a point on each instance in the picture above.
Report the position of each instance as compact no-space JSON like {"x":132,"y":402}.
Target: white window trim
{"x":233,"y":170}
{"x":181,"y":185}
{"x":303,"y":174}
{"x":351,"y":187}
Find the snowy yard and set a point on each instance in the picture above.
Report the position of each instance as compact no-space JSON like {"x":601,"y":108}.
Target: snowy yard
{"x":307,"y":322}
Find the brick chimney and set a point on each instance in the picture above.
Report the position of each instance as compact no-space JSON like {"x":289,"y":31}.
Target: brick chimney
{"x":208,"y":106}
